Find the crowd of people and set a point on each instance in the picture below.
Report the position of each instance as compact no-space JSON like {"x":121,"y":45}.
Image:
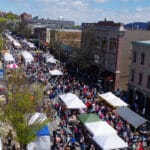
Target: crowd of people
{"x":71,"y":134}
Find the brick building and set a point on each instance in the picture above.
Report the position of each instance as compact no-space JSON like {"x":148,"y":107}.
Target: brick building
{"x":108,"y":47}
{"x":139,"y":78}
{"x":25,"y":16}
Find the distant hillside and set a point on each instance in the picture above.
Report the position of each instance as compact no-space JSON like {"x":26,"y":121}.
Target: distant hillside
{"x":137,"y":25}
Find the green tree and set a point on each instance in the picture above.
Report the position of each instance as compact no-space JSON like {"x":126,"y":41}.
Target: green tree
{"x":10,"y":16}
{"x":3,"y":22}
{"x":22,"y":103}
{"x":22,"y":28}
{"x":1,"y":45}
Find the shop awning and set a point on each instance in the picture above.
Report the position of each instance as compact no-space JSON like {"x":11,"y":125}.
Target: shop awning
{"x":86,"y":118}
{"x":130,"y":116}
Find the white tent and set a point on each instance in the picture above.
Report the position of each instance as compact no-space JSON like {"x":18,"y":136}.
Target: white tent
{"x":72,"y":101}
{"x":55,"y":72}
{"x":31,"y":45}
{"x":8,"y":57}
{"x":100,"y":128}
{"x":1,"y":145}
{"x":51,"y":60}
{"x":9,"y":37}
{"x":40,"y":117}
{"x":27,"y":56}
{"x":113,"y":100}
{"x":110,"y":142}
{"x":42,"y":141}
{"x":16,"y":44}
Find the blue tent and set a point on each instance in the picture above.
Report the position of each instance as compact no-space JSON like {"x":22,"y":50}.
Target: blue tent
{"x":44,"y":131}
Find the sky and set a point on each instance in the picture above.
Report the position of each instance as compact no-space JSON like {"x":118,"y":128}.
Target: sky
{"x":123,"y":11}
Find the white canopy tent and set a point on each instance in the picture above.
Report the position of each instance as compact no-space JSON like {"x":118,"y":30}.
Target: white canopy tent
{"x":27,"y":56}
{"x":110,"y":142}
{"x":37,"y":117}
{"x":31,"y":45}
{"x":55,"y":72}
{"x":8,"y":57}
{"x":1,"y":145}
{"x":51,"y":60}
{"x":113,"y":100}
{"x":100,"y":128}
{"x":42,"y":141}
{"x":10,"y":38}
{"x":16,"y":44}
{"x":72,"y":101}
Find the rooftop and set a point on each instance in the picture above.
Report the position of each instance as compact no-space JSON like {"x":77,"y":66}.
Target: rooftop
{"x":143,"y":43}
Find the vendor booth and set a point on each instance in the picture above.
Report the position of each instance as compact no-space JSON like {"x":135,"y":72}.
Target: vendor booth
{"x":71,"y":101}
{"x":42,"y":141}
{"x":27,"y":57}
{"x":100,"y":128}
{"x":8,"y":57}
{"x":51,"y":60}
{"x":55,"y":72}
{"x":10,"y":38}
{"x":112,"y":100}
{"x":16,"y":44}
{"x":87,"y":118}
{"x":12,"y":66}
{"x":110,"y":142}
{"x":130,"y":116}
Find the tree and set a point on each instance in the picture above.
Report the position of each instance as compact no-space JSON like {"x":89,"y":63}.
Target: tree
{"x":1,"y":45}
{"x":22,"y":103}
{"x":3,"y":22}
{"x":22,"y":28}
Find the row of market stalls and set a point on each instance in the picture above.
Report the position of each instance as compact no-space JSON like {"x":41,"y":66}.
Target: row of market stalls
{"x":103,"y":134}
{"x":29,"y":44}
{"x":15,"y":43}
{"x":8,"y":57}
{"x":122,"y":109}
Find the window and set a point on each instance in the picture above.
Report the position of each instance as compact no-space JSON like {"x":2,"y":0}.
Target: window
{"x":112,"y":44}
{"x":140,"y":78}
{"x":134,"y":56}
{"x":142,"y":58}
{"x":148,"y":82}
{"x":132,"y":76}
{"x":104,"y":43}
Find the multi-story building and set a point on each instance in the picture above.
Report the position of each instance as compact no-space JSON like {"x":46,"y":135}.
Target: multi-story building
{"x":48,"y":23}
{"x":25,"y":16}
{"x":66,"y":36}
{"x":108,"y":47}
{"x":139,"y":77}
{"x":2,"y":14}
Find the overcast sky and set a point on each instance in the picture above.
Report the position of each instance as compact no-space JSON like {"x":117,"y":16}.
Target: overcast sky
{"x":124,"y":11}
